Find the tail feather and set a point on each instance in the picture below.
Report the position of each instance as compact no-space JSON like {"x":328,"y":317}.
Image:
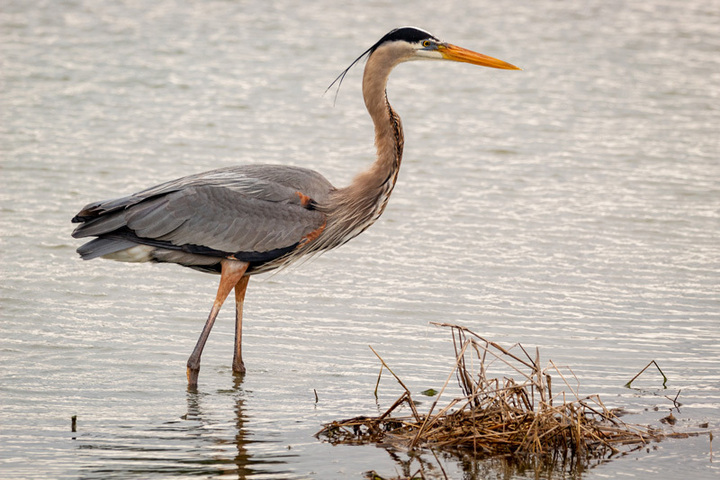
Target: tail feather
{"x":99,"y":225}
{"x":103,"y":246}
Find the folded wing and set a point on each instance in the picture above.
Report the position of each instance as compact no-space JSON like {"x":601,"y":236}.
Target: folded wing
{"x":251,"y":213}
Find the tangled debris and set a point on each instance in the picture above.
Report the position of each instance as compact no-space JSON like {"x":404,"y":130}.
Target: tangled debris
{"x":501,"y":416}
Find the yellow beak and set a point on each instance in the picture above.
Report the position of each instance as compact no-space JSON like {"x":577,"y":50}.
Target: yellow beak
{"x":459,"y":54}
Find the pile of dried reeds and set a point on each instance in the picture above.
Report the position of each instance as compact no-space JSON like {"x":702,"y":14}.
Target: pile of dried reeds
{"x":500,"y":416}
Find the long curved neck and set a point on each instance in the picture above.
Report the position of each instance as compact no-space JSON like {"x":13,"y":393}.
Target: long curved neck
{"x":389,"y":138}
{"x":354,"y":208}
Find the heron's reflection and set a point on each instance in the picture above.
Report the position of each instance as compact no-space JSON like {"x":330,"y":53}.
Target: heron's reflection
{"x":242,"y":461}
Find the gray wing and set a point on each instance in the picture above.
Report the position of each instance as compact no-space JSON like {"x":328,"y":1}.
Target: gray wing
{"x":244,"y":211}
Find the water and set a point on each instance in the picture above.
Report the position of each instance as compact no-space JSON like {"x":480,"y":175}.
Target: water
{"x":573,"y":206}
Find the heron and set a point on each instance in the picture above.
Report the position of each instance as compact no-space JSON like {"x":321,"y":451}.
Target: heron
{"x":244,"y":220}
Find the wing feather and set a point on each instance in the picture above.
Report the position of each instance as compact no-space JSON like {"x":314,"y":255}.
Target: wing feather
{"x":239,"y":209}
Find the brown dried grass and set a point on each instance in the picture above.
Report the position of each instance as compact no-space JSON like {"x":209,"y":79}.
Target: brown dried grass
{"x":500,"y":416}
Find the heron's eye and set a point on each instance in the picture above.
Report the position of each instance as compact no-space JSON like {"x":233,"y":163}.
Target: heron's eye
{"x":426,"y":43}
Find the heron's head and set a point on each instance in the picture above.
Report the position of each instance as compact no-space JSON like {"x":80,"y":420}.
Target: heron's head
{"x":411,"y":43}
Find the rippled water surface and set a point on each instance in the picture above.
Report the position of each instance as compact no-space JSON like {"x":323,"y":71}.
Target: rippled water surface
{"x":573,"y":206}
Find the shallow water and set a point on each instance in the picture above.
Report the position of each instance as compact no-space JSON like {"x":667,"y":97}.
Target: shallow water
{"x":573,"y":206}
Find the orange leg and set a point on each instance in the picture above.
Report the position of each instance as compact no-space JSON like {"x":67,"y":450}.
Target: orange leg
{"x":231,"y":274}
{"x":238,"y":366}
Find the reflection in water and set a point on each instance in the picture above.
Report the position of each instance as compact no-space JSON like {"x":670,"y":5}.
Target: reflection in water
{"x":432,"y":465}
{"x":242,"y":459}
{"x":201,"y":443}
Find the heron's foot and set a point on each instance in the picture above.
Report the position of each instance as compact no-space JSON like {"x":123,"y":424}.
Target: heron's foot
{"x":192,"y":375}
{"x":238,"y":366}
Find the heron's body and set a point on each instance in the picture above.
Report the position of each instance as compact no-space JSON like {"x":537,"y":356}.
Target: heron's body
{"x":239,"y":221}
{"x":251,"y":213}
